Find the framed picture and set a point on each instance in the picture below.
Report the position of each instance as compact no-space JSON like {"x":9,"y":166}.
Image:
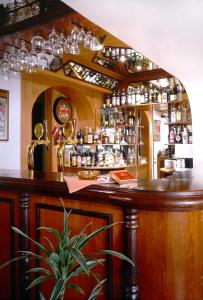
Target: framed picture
{"x":4,"y":115}
{"x":62,"y":110}
{"x":157,"y":124}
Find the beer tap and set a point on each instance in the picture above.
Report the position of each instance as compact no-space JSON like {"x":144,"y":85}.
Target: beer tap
{"x":40,"y":130}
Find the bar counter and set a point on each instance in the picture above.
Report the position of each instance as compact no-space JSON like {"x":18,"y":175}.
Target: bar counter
{"x":161,"y":232}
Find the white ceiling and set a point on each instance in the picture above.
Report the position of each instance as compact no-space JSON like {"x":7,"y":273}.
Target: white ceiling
{"x":170,"y":33}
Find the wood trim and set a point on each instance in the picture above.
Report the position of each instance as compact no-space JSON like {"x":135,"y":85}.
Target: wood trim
{"x":24,"y":245}
{"x":130,"y":287}
{"x":144,"y":76}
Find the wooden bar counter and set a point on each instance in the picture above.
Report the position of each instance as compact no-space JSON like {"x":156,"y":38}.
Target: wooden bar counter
{"x":161,"y":231}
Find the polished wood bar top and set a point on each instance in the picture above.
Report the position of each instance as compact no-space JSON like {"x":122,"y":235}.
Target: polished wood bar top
{"x":181,"y":191}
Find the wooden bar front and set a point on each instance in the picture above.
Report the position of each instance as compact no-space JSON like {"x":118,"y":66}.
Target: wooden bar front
{"x":161,"y":232}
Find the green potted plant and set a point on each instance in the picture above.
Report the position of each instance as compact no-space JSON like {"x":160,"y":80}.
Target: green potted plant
{"x":66,"y":260}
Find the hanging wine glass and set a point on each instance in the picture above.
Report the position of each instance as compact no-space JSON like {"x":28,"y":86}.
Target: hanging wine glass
{"x":81,"y":36}
{"x":94,"y":44}
{"x":43,"y":61}
{"x":53,"y":37}
{"x":38,"y":43}
{"x":68,"y":45}
{"x":74,"y":34}
{"x":88,"y":39}
{"x":5,"y":67}
{"x":48,"y":47}
{"x":57,"y":49}
{"x":74,"y":49}
{"x":13,"y":59}
{"x":23,"y":56}
{"x":62,"y":39}
{"x":33,"y":60}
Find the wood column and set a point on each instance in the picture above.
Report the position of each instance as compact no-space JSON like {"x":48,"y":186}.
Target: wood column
{"x":130,"y":288}
{"x":24,"y":245}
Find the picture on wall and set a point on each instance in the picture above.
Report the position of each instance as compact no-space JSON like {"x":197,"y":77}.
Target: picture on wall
{"x":4,"y":107}
{"x":157,"y":124}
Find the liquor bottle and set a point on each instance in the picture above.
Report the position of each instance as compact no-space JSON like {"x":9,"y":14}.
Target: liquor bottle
{"x":178,"y":137}
{"x":90,"y":136}
{"x":74,"y":159}
{"x":171,"y":135}
{"x":178,"y":114}
{"x":173,"y":94}
{"x":146,"y":95}
{"x":138,"y":98}
{"x":79,"y":159}
{"x":83,"y":159}
{"x":86,"y":135}
{"x":173,"y":115}
{"x":133,"y":102}
{"x":113,"y":100}
{"x":155,"y":95}
{"x":118,"y":100}
{"x":185,"y":136}
{"x":142,"y":95}
{"x":164,"y":96}
{"x":123,"y":97}
{"x":88,"y":159}
{"x":129,"y":97}
{"x":80,"y":137}
{"x":150,"y":93}
{"x":130,"y":119}
{"x":108,"y":101}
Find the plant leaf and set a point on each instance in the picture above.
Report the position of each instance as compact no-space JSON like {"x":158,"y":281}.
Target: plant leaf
{"x":117,"y":254}
{"x":96,"y":290}
{"x":50,"y":243}
{"x":35,"y":270}
{"x":79,"y":270}
{"x":41,"y":296}
{"x":40,"y":246}
{"x":79,"y":258}
{"x":94,"y":233}
{"x":75,"y":287}
{"x":51,"y":230}
{"x":37,"y":281}
{"x":58,"y":288}
{"x":12,"y":260}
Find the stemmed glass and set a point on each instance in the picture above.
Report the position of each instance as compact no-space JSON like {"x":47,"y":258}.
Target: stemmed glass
{"x":23,"y":56}
{"x":88,"y":40}
{"x":38,"y":43}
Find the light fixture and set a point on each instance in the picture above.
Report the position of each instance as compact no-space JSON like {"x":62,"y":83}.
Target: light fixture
{"x":47,"y":53}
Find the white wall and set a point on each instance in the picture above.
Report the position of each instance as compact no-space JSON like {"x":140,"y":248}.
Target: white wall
{"x":10,"y":150}
{"x":170,"y":33}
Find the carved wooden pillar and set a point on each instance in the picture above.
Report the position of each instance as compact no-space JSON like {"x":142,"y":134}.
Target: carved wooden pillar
{"x":24,"y":245}
{"x":130,"y":288}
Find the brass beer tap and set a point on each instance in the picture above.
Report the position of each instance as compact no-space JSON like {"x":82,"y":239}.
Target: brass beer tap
{"x":39,"y":131}
{"x":69,"y":139}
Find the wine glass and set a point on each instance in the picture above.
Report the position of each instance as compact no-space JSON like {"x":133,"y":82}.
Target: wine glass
{"x":53,"y":37}
{"x":57,"y":49}
{"x":68,"y":45}
{"x":5,"y":67}
{"x":81,"y":36}
{"x":94,"y":44}
{"x":88,"y":39}
{"x":74,"y":49}
{"x":38,"y":43}
{"x":33,"y":60}
{"x":23,"y":56}
{"x":43,"y":61}
{"x":74,"y":34}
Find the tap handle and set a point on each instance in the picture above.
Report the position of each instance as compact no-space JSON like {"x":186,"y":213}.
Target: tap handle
{"x":45,"y":125}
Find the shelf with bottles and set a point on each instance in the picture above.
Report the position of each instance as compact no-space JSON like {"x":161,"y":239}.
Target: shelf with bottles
{"x":99,"y":156}
{"x":81,"y":72}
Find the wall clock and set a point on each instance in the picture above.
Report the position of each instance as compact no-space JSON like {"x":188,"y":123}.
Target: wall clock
{"x":62,"y":110}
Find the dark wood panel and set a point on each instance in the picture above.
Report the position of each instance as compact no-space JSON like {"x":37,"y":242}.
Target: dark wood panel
{"x":7,"y":246}
{"x":52,"y":216}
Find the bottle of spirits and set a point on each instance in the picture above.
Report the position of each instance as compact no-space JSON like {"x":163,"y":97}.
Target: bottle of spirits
{"x":185,"y":136}
{"x":178,"y":137}
{"x":173,"y":95}
{"x":90,"y":136}
{"x":173,"y":115}
{"x":172,"y":136}
{"x":123,"y":97}
{"x":118,"y":100}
